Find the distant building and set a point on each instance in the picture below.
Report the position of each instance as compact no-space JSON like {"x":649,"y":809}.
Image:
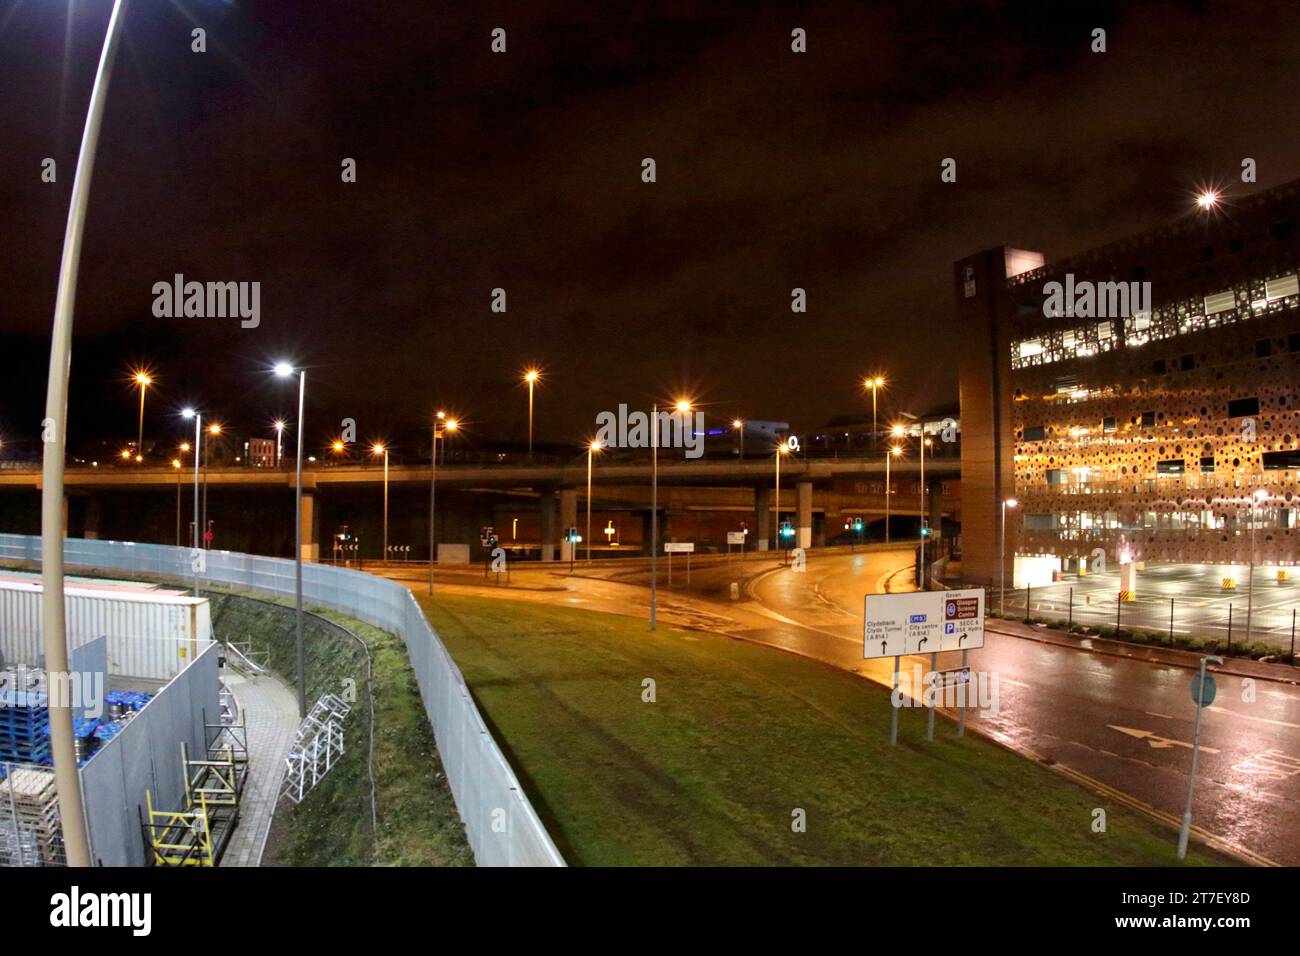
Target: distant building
{"x":1142,"y":398}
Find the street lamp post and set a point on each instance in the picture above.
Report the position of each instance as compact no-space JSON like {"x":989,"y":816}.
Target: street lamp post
{"x":213,"y":429}
{"x":893,"y":452}
{"x":654,"y":512}
{"x":53,"y":623}
{"x":873,"y":385}
{"x":176,"y":466}
{"x":776,"y":502}
{"x":198,"y":443}
{"x":381,"y":449}
{"x":682,"y":407}
{"x":782,"y":448}
{"x":531,"y":376}
{"x":284,"y":370}
{"x":279,"y":441}
{"x":592,"y":448}
{"x":739,"y":425}
{"x":144,"y":380}
{"x":441,"y":425}
{"x":925,"y":511}
{"x":1002,"y":556}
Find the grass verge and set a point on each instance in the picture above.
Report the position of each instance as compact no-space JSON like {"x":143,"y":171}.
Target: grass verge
{"x":418,"y":821}
{"x":739,"y":739}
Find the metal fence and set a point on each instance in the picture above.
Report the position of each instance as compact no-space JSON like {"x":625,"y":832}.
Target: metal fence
{"x":1227,"y":624}
{"x":502,"y":825}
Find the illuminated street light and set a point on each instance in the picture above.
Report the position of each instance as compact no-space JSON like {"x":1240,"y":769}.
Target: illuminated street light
{"x":782,"y":448}
{"x":286,"y":370}
{"x":378,"y":448}
{"x":144,"y":380}
{"x":592,"y":448}
{"x":1207,"y":199}
{"x":893,"y":452}
{"x":441,"y":425}
{"x":682,"y":405}
{"x":279,"y":440}
{"x":188,"y":413}
{"x":531,"y":377}
{"x":873,"y":384}
{"x":739,"y":425}
{"x":176,"y":466}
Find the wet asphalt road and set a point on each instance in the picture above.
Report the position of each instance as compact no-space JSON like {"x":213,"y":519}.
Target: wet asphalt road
{"x":1127,"y":724}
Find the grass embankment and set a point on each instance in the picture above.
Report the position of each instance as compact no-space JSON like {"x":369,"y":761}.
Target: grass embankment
{"x":418,"y":822}
{"x":741,"y":736}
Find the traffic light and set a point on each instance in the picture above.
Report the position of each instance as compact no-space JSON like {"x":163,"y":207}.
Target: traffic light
{"x":857,"y":524}
{"x":787,"y":529}
{"x":925,"y":532}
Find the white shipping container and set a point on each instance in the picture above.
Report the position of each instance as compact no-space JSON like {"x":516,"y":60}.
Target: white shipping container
{"x":149,"y":635}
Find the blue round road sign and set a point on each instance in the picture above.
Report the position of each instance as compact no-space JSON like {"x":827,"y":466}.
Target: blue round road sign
{"x":1203,"y":693}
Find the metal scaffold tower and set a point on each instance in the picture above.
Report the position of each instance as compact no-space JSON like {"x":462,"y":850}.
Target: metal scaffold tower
{"x":317,"y":744}
{"x":197,"y":834}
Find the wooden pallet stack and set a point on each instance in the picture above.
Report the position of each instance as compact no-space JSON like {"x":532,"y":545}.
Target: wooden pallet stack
{"x":29,"y":804}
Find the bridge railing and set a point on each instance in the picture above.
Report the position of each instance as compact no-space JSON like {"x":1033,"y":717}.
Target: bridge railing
{"x":502,"y":825}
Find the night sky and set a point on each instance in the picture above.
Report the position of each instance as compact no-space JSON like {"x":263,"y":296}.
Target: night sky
{"x":523,"y":171}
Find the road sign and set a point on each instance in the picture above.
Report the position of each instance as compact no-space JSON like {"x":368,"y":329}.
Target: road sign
{"x":735,"y":537}
{"x":963,"y":620}
{"x":679,"y":547}
{"x":1203,"y":690}
{"x":922,"y":622}
{"x":487,"y":536}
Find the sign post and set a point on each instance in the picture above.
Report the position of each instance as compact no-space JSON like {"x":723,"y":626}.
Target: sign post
{"x":922,"y":622}
{"x":1203,"y":691}
{"x":679,"y":547}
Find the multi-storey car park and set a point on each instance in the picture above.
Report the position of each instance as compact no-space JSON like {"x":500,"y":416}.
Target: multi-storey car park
{"x":1158,"y":423}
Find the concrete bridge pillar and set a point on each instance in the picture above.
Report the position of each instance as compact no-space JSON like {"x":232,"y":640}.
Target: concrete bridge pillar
{"x":803,"y":514}
{"x":568,"y":519}
{"x":546,"y":504}
{"x":934,"y":512}
{"x":91,"y":521}
{"x":762,"y":517}
{"x":309,"y":545}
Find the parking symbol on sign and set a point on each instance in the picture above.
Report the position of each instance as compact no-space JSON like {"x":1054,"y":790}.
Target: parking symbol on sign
{"x":950,"y":628}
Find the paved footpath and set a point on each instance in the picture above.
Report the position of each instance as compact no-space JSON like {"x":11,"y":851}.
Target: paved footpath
{"x":270,"y":710}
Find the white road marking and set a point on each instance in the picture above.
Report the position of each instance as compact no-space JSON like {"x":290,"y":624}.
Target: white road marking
{"x":1262,"y":720}
{"x":1155,"y":741}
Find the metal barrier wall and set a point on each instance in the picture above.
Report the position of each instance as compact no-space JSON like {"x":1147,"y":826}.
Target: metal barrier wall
{"x":503,"y":827}
{"x":147,"y":755}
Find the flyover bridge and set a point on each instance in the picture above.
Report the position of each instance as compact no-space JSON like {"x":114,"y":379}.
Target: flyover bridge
{"x":696,"y":498}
